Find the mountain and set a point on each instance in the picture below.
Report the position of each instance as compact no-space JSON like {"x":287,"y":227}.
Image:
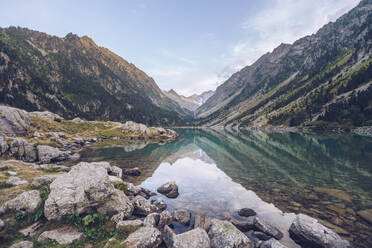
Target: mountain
{"x":72,"y":76}
{"x":190,"y":103}
{"x":324,"y":79}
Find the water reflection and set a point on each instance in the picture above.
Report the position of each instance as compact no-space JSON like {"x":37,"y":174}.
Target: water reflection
{"x":326,"y":176}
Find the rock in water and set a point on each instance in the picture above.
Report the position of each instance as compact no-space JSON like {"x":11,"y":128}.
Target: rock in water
{"x":196,"y":238}
{"x":182,"y":216}
{"x":84,"y":188}
{"x":267,"y":228}
{"x":308,"y":232}
{"x":224,"y":234}
{"x":246,"y":212}
{"x":132,"y":172}
{"x":272,"y":243}
{"x":151,"y":220}
{"x":23,"y":244}
{"x":169,"y":189}
{"x":27,"y":201}
{"x":160,"y":203}
{"x":63,"y":236}
{"x":202,"y":221}
{"x":145,"y":237}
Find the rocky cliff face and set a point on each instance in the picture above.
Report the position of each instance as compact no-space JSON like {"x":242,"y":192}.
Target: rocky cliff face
{"x":190,"y":103}
{"x":322,"y":78}
{"x":72,"y":76}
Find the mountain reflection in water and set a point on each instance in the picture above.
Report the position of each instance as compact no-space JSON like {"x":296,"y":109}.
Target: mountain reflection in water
{"x":327,"y":176}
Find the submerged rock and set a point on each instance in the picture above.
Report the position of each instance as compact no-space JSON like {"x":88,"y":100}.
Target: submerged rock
{"x":267,"y":228}
{"x":196,"y":238}
{"x":145,"y":237}
{"x":169,"y":189}
{"x":224,"y":234}
{"x":132,"y":172}
{"x":27,"y":201}
{"x":63,"y":236}
{"x":307,"y":232}
{"x":246,"y":212}
{"x":182,"y":216}
{"x":23,"y":244}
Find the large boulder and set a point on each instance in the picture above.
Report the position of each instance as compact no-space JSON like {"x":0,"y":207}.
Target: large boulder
{"x":224,"y":234}
{"x":145,"y":237}
{"x":196,"y":238}
{"x":63,"y":236}
{"x":169,"y":189}
{"x":143,"y":207}
{"x":21,"y":149}
{"x":13,"y":121}
{"x":267,"y":228}
{"x":84,"y":188}
{"x":23,"y":244}
{"x":28,"y":201}
{"x":47,"y":154}
{"x":307,"y":232}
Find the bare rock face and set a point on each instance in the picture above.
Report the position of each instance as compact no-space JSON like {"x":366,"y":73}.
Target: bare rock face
{"x":27,"y":201}
{"x":307,"y":232}
{"x":23,"y":244}
{"x":145,"y":237}
{"x":21,"y":149}
{"x":47,"y":154}
{"x":224,"y":234}
{"x":63,"y":236}
{"x":84,"y":187}
{"x":13,"y":121}
{"x":169,"y":189}
{"x":196,"y":238}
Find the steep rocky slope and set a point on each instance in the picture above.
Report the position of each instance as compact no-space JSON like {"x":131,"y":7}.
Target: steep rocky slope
{"x":190,"y":103}
{"x":72,"y":76}
{"x":321,"y":79}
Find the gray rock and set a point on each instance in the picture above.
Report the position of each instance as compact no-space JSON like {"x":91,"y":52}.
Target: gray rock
{"x":84,"y":188}
{"x":128,"y":226}
{"x":47,"y":154}
{"x":115,"y":171}
{"x":2,"y":225}
{"x":272,"y":243}
{"x":267,"y":228}
{"x":224,"y":234}
{"x":16,"y":181}
{"x":243,"y":225}
{"x":12,"y":173}
{"x":165,"y":219}
{"x":132,"y":172}
{"x":160,"y":203}
{"x":182,"y":216}
{"x":196,"y":238}
{"x":246,"y":212}
{"x":115,"y":179}
{"x":169,"y":189}
{"x":47,"y":179}
{"x":13,"y":121}
{"x":21,"y":149}
{"x":202,"y":221}
{"x":143,"y":207}
{"x":145,"y":237}
{"x":261,"y":236}
{"x":117,"y":203}
{"x":27,"y":201}
{"x":152,"y":220}
{"x":3,"y":145}
{"x":63,"y":236}
{"x":30,"y":231}
{"x":307,"y":231}
{"x":23,"y":244}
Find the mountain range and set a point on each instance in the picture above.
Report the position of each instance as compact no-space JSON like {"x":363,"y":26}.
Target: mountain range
{"x":321,"y":80}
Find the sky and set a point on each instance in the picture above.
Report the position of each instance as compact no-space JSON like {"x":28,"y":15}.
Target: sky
{"x":190,"y":46}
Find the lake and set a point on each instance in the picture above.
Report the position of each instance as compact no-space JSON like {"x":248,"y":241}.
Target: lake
{"x":327,"y":176}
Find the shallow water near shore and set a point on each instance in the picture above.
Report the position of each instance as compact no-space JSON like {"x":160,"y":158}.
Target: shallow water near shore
{"x":326,"y":176}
